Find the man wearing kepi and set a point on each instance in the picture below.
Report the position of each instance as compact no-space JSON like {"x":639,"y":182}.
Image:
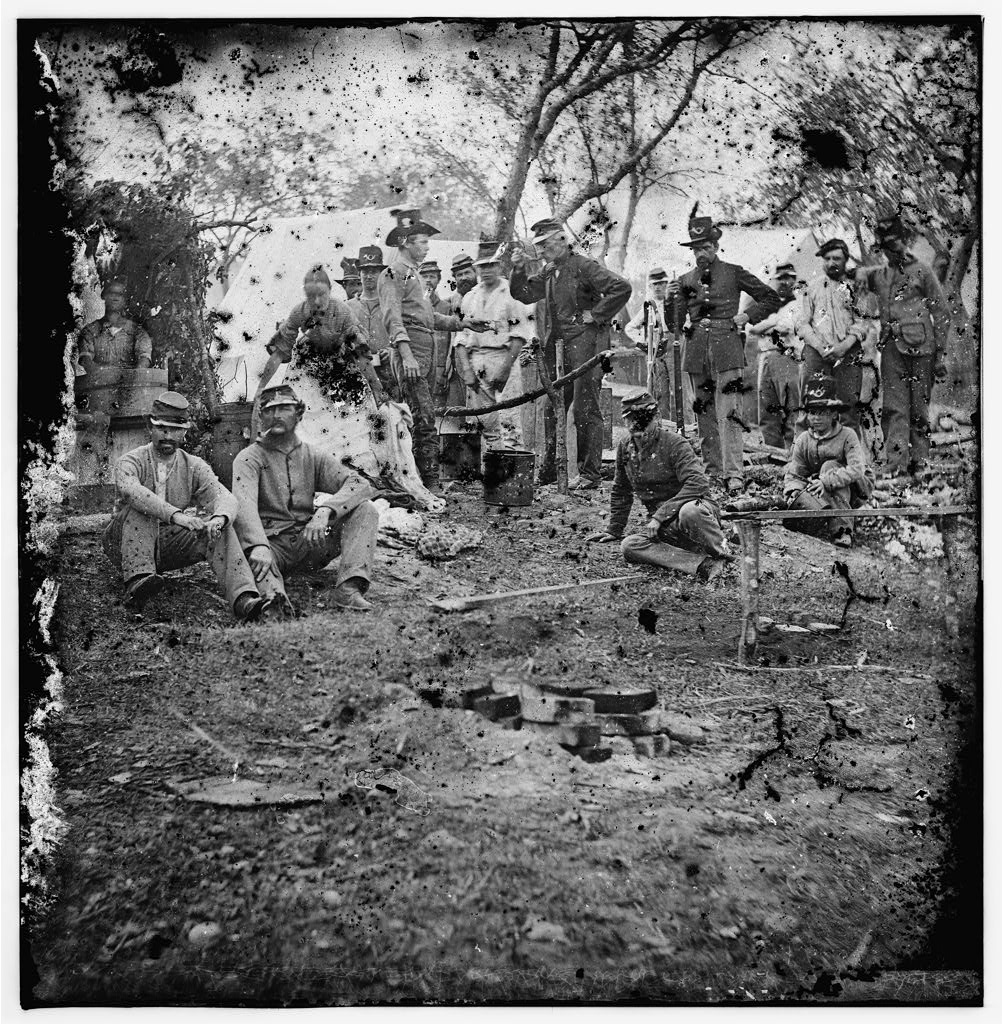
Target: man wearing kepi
{"x":366,"y":309}
{"x":582,"y":298}
{"x":410,"y":321}
{"x":915,"y":319}
{"x":275,"y":481}
{"x":485,"y":361}
{"x":447,"y":388}
{"x":715,"y":348}
{"x":152,"y":533}
{"x":658,"y":466}
{"x":652,"y":314}
{"x":780,"y":380}
{"x":833,"y":330}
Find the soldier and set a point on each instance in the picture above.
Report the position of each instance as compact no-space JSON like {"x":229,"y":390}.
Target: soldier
{"x":152,"y":533}
{"x":275,"y":481}
{"x":715,"y":352}
{"x":114,"y":340}
{"x":828,"y":467}
{"x":485,"y":361}
{"x":410,"y":320}
{"x":366,"y":309}
{"x":780,"y":379}
{"x":447,"y":388}
{"x":658,"y":465}
{"x":915,"y":319}
{"x":350,"y":279}
{"x":659,"y":377}
{"x":833,"y":329}
{"x":582,"y":297}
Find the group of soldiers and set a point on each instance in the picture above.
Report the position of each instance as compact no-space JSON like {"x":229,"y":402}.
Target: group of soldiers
{"x":827,"y":348}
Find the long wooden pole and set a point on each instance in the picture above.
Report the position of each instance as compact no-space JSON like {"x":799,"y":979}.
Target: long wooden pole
{"x":926,"y":511}
{"x":459,"y":604}
{"x":561,"y":415}
{"x":749,"y":637}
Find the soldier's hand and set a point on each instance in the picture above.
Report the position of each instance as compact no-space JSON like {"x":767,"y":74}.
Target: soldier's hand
{"x":411,"y":369}
{"x":587,"y":317}
{"x":740,"y":319}
{"x":316,"y":530}
{"x":190,"y":523}
{"x":260,"y":560}
{"x":518,"y":255}
{"x":602,"y":537}
{"x":477,"y":326}
{"x":214,"y":527}
{"x":673,"y":288}
{"x":526,"y":355}
{"x":650,"y":529}
{"x":816,"y":488}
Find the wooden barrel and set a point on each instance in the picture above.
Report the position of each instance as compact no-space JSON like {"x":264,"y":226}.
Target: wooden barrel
{"x":120,"y":390}
{"x":231,"y":433}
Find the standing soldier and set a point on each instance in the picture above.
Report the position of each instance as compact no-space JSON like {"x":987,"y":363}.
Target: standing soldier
{"x":410,"y":320}
{"x":834,"y":331}
{"x":780,"y":380}
{"x":715,"y":350}
{"x":448,"y":388}
{"x":915,"y":318}
{"x":366,"y":309}
{"x":655,"y":342}
{"x":486,"y":361}
{"x":582,"y":298}
{"x":350,"y":279}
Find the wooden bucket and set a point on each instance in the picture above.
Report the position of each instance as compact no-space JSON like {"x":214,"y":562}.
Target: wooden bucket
{"x":231,"y":434}
{"x":508,"y":476}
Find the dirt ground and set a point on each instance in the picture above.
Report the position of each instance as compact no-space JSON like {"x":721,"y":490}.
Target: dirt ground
{"x":815,"y":842}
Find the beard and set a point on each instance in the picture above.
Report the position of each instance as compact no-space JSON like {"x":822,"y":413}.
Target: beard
{"x":167,"y":447}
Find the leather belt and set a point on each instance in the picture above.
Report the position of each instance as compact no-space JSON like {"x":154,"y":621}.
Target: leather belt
{"x":709,"y":321}
{"x":566,"y":321}
{"x":421,"y":328}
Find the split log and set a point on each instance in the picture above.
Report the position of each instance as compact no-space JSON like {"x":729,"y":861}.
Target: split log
{"x":461,"y":604}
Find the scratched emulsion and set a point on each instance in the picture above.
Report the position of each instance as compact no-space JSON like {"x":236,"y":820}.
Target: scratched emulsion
{"x":802,"y":827}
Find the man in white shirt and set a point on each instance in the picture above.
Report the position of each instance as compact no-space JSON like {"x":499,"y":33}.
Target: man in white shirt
{"x":484,"y":361}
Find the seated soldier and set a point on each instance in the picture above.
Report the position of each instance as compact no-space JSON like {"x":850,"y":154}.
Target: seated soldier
{"x":661,"y":468}
{"x":151,"y":533}
{"x":828,"y":467}
{"x":114,"y":340}
{"x":275,"y":480}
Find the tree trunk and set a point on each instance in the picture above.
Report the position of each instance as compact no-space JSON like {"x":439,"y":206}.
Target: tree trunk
{"x":633,"y":197}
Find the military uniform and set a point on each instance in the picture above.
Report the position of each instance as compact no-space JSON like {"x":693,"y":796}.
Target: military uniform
{"x":661,"y":469}
{"x":715,"y":348}
{"x":142,"y":539}
{"x":915,"y":319}
{"x":572,"y":286}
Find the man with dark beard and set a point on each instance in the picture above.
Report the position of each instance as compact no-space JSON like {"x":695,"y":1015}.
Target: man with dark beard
{"x":152,"y":533}
{"x":833,"y":331}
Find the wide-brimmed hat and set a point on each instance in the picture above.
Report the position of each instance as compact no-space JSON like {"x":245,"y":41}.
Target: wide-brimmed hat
{"x":371,"y":258}
{"x":820,"y":392}
{"x":546,"y":228}
{"x":637,"y":402}
{"x":657,"y":274}
{"x":280,"y":394}
{"x":170,"y":410}
{"x":701,"y":229}
{"x":890,"y":228}
{"x":409,"y":223}
{"x":349,"y":269}
{"x":487,"y":252}
{"x":784,"y":270}
{"x":833,"y":243}
{"x":461,"y":261}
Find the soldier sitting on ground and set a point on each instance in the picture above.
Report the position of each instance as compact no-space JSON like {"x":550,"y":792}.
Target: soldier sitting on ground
{"x":152,"y":533}
{"x":661,"y":468}
{"x":828,"y":467}
{"x":281,"y":530}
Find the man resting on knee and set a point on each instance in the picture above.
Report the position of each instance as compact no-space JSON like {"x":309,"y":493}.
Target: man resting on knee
{"x":683,"y":531}
{"x":275,"y":481}
{"x":828,"y":467}
{"x":151,"y":533}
